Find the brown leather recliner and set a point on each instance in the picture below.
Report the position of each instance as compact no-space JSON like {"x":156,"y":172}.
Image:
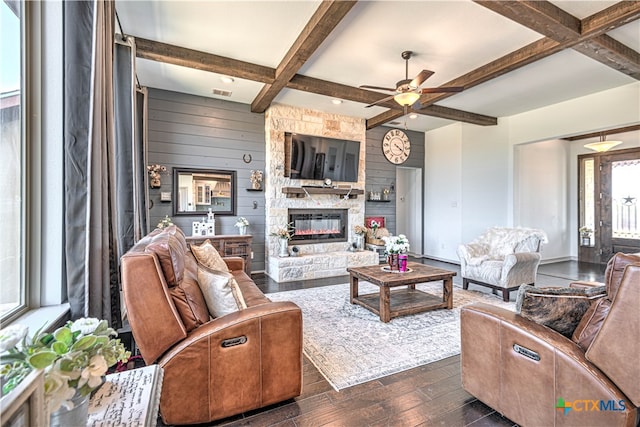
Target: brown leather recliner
{"x":537,"y":377}
{"x":213,"y":368}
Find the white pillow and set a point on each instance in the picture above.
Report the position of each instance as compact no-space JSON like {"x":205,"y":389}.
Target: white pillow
{"x":207,"y":255}
{"x":221,"y":291}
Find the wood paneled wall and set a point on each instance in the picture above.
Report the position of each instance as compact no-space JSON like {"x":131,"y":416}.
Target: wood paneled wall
{"x":381,"y":173}
{"x":198,"y":132}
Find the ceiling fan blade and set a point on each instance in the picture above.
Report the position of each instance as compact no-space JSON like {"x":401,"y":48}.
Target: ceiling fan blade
{"x":444,"y":89}
{"x":377,"y":88}
{"x":420,"y":78}
{"x":380,"y":101}
{"x":416,"y":105}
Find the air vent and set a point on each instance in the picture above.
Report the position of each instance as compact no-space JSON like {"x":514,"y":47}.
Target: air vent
{"x":221,"y":92}
{"x":395,"y":123}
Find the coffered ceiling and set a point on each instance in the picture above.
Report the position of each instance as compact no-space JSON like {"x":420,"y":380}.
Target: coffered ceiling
{"x":509,"y":56}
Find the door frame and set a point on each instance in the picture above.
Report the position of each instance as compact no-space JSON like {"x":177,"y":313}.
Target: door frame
{"x":414,"y":194}
{"x":602,"y":249}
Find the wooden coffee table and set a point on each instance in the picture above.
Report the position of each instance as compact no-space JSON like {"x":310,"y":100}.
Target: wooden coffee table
{"x":405,"y":301}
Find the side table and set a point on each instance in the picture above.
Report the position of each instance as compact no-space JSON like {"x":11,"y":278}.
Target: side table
{"x":128,"y":398}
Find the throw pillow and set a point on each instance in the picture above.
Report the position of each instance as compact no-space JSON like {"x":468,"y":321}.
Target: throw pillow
{"x":591,"y":323}
{"x":208,"y":256}
{"x":220,"y":290}
{"x":557,"y":308}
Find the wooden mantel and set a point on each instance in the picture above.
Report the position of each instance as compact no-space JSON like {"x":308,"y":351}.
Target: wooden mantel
{"x":295,"y":192}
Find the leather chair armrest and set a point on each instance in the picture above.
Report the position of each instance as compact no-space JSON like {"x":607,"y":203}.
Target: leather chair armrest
{"x":585,"y":284}
{"x":234,"y":263}
{"x":507,"y":358}
{"x":241,"y":361}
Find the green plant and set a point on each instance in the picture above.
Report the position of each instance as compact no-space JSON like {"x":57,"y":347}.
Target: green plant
{"x":74,"y":358}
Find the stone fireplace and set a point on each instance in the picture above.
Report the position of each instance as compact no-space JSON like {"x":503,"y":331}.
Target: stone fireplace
{"x":325,"y":256}
{"x":312,"y":226}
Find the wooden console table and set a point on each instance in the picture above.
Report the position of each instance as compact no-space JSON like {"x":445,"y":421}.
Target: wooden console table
{"x":229,"y":245}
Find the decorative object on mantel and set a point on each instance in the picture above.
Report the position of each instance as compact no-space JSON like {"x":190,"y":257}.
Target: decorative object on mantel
{"x":154,"y":174}
{"x":256,"y":179}
{"x":396,"y":246}
{"x":74,"y":359}
{"x":165,"y":222}
{"x":242,"y":223}
{"x":295,"y":251}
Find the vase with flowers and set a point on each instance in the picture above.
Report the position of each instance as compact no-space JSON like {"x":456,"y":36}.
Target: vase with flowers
{"x":360,"y":231}
{"x":74,"y":358}
{"x":396,"y":246}
{"x":284,"y":235}
{"x":154,"y":174}
{"x":242,"y":223}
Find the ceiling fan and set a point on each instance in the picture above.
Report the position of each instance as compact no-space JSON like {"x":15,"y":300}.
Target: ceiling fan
{"x":407,"y":91}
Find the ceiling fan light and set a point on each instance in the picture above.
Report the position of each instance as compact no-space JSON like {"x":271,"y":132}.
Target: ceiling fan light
{"x":407,"y":98}
{"x":602,"y":146}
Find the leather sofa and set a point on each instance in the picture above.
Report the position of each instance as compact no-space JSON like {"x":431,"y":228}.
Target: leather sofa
{"x":502,"y":258}
{"x":213,"y":367}
{"x":535,"y":376}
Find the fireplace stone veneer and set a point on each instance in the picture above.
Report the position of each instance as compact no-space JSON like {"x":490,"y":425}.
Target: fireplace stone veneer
{"x":318,"y":265}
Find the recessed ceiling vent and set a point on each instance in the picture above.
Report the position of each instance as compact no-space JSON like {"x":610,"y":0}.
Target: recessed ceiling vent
{"x":395,"y":123}
{"x":221,"y":92}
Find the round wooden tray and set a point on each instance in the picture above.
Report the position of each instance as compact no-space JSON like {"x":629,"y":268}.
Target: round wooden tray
{"x":387,"y":269}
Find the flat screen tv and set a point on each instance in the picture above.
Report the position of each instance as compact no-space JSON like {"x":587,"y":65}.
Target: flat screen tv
{"x":318,"y":158}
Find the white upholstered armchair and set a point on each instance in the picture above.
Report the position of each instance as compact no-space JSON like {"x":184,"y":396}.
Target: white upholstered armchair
{"x":502,"y":258}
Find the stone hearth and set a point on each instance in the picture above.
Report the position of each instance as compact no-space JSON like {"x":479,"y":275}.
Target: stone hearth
{"x":322,"y":259}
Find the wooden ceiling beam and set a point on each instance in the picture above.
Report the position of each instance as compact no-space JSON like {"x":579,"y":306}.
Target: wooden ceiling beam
{"x":611,"y":53}
{"x":613,"y":131}
{"x":540,"y":16}
{"x":350,"y":93}
{"x":587,"y":37}
{"x":324,"y":20}
{"x":176,"y":55}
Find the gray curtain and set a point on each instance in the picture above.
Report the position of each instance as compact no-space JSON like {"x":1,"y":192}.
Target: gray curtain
{"x":94,"y":155}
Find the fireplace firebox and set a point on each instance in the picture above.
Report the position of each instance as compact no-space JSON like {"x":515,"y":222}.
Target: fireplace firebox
{"x":319,"y":225}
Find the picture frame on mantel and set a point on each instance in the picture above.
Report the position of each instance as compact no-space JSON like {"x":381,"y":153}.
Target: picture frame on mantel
{"x":24,"y":405}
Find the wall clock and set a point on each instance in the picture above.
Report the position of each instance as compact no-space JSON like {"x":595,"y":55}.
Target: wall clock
{"x":396,"y":146}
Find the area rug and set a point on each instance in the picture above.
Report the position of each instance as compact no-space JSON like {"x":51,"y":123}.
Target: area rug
{"x":350,"y":345}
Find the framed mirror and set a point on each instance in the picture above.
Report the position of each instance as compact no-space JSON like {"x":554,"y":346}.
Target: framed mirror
{"x":195,"y":191}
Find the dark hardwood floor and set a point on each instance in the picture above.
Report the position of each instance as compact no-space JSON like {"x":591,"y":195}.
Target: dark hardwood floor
{"x":429,"y":395}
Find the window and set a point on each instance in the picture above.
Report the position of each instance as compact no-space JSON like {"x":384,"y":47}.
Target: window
{"x":12,"y":174}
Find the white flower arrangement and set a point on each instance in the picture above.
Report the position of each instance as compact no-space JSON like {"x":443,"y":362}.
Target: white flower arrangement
{"x":165,"y":222}
{"x":74,"y":358}
{"x":242,"y":222}
{"x":396,"y":244}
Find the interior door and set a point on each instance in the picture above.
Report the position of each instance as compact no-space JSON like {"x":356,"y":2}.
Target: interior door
{"x":619,"y":216}
{"x":409,"y":206}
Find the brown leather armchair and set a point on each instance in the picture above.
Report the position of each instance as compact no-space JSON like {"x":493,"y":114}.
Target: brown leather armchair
{"x":213,"y":368}
{"x":537,"y":377}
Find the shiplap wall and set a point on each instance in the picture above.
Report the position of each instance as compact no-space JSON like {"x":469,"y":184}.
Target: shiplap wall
{"x":382,"y":174}
{"x":198,"y":132}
